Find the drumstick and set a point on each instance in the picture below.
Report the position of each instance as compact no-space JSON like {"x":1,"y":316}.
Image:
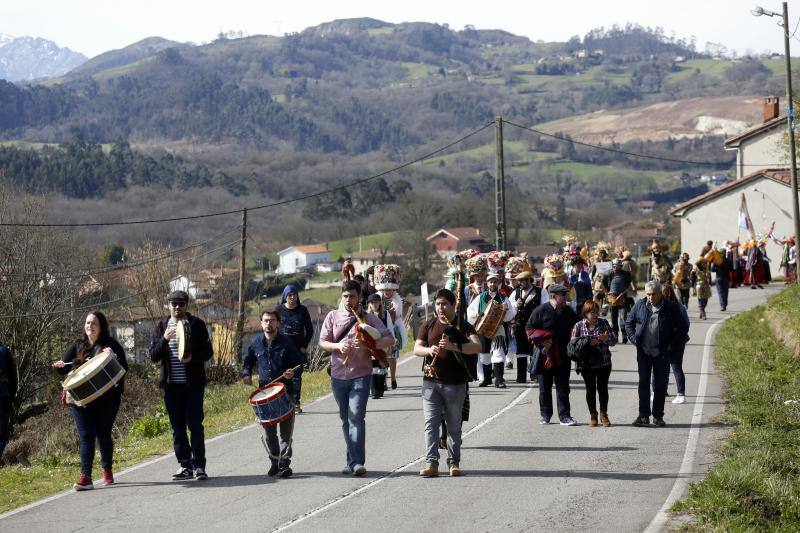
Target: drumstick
{"x":295,"y":369}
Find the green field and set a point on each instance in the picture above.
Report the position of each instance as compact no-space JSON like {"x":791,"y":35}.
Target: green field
{"x":347,"y":247}
{"x":585,"y":171}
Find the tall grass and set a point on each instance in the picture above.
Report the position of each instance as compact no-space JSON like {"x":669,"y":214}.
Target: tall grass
{"x":756,"y":486}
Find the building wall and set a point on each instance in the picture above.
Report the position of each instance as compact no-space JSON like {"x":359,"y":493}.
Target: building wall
{"x":718,"y":219}
{"x":761,"y":152}
{"x":291,"y":261}
{"x":445,"y":243}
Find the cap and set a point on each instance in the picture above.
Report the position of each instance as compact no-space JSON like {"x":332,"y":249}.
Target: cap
{"x":493,"y":275}
{"x":557,"y":288}
{"x":523,"y":275}
{"x":176,"y":296}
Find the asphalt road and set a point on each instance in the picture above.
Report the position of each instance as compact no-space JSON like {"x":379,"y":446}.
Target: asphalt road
{"x":519,"y":476}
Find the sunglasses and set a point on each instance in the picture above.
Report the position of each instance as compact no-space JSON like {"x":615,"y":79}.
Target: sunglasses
{"x":178,"y":304}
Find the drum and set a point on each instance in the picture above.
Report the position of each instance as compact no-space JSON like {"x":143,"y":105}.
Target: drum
{"x":182,"y":334}
{"x":615,"y":300}
{"x":492,"y":317}
{"x":272,"y":404}
{"x":93,"y":378}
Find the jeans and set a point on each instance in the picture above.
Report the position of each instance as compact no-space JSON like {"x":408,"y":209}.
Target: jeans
{"x":722,"y":291}
{"x":436,"y":399}
{"x":5,"y":423}
{"x":95,"y":422}
{"x":280,"y":451}
{"x":351,"y":395}
{"x":561,"y":377}
{"x":184,"y":405}
{"x":676,"y":362}
{"x":657,"y":369}
{"x":616,"y":325}
{"x":596,"y":380}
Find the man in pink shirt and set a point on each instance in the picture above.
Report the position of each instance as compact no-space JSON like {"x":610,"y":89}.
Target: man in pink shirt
{"x":351,"y":369}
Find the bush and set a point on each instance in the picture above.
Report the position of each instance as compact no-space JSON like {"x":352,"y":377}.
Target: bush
{"x":149,"y":426}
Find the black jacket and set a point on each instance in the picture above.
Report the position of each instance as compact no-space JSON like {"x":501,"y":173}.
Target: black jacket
{"x":199,"y":348}
{"x":673,"y":329}
{"x":8,"y":374}
{"x":523,"y":314}
{"x":558,"y":322}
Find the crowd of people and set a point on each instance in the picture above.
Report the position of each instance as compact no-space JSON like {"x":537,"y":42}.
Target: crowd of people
{"x":494,"y":314}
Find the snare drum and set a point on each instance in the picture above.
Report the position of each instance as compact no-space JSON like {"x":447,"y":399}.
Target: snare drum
{"x":492,"y":317}
{"x":272,"y":404}
{"x":93,"y":378}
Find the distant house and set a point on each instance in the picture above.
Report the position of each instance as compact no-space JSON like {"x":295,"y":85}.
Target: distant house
{"x":715,"y":215}
{"x":295,"y":258}
{"x":646,"y":206}
{"x":448,"y":241}
{"x":363,"y":260}
{"x":760,"y":146}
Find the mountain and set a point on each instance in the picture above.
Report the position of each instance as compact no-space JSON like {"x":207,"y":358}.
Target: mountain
{"x":124,"y":56}
{"x":33,"y":58}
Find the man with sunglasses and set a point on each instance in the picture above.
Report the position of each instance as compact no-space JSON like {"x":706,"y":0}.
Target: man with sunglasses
{"x":184,"y":382}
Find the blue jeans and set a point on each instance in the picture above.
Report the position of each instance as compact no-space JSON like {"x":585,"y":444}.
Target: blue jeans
{"x":94,"y":422}
{"x":351,"y":395}
{"x":722,"y":291}
{"x":185,"y":409}
{"x":676,"y":362}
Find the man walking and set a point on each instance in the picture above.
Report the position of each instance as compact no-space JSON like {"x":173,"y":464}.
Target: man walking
{"x":445,"y":377}
{"x":658,"y":330}
{"x":184,"y":381}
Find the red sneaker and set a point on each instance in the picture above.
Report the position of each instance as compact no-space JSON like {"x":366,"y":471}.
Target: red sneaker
{"x":108,"y":477}
{"x":84,"y":483}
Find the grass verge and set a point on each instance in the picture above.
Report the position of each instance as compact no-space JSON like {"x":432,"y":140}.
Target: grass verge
{"x":756,"y":486}
{"x":226,"y":409}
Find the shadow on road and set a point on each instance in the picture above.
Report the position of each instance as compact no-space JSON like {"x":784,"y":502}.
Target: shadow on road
{"x":552,"y":448}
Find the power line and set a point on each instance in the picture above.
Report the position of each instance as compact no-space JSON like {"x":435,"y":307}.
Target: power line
{"x":618,"y":151}
{"x":107,"y":303}
{"x":254,"y":208}
{"x":69,"y":274}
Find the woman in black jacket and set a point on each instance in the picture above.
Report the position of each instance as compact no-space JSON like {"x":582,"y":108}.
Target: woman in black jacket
{"x":95,"y":420}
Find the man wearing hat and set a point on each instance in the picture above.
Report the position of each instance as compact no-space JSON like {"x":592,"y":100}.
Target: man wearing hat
{"x":494,"y":350}
{"x":616,"y":283}
{"x":526,"y":297}
{"x":557,"y":318}
{"x":184,"y":382}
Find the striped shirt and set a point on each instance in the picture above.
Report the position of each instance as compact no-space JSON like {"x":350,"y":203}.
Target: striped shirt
{"x":177,"y":370}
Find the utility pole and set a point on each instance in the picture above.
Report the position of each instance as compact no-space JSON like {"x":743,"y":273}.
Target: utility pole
{"x":239,"y":335}
{"x":790,"y":126}
{"x":500,"y":187}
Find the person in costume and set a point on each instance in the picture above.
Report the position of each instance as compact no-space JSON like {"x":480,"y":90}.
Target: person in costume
{"x":526,"y":297}
{"x":580,"y":281}
{"x":494,"y":350}
{"x":754,"y":272}
{"x":789,"y":260}
{"x":601,"y":263}
{"x":476,"y":269}
{"x":660,"y":269}
{"x":682,"y":278}
{"x":387,"y":282}
{"x":616,"y":283}
{"x":375,"y":306}
{"x":701,"y":280}
{"x":554,"y":273}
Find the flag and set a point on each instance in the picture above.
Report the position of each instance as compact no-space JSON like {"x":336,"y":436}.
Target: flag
{"x":744,"y":218}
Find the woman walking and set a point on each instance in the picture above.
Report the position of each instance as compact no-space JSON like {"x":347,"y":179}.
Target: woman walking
{"x":597,"y":336}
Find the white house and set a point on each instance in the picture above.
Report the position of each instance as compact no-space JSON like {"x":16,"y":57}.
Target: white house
{"x":715,"y":215}
{"x":294,"y":258}
{"x":760,"y":146}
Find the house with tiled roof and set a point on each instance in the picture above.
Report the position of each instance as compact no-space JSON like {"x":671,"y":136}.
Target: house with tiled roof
{"x":761,"y":145}
{"x":302,"y":257}
{"x":448,"y":241}
{"x":715,"y":215}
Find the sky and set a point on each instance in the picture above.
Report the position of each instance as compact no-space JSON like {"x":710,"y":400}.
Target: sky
{"x":95,"y":26}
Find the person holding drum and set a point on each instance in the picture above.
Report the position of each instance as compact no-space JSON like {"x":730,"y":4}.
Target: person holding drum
{"x":277,"y":358}
{"x":95,"y":419}
{"x":351,"y":345}
{"x":489,"y":313}
{"x":182,"y":347}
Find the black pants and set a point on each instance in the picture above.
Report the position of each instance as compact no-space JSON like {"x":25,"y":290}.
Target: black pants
{"x":5,"y":423}
{"x":522,"y":368}
{"x":184,"y":405}
{"x":560,"y":376}
{"x":722,"y":291}
{"x":297,"y":384}
{"x":619,"y":325}
{"x":498,"y":369}
{"x":684,"y":296}
{"x":280,"y":449}
{"x":596,"y":380}
{"x":657,"y":370}
{"x":94,"y":422}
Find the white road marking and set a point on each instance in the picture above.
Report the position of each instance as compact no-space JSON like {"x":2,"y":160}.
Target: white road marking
{"x":354,"y":492}
{"x":681,"y":483}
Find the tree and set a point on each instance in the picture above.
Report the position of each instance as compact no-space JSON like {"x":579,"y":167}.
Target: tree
{"x":112,"y":254}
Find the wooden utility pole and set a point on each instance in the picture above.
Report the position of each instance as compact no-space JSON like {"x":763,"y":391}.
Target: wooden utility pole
{"x":500,"y":187}
{"x":239,"y":336}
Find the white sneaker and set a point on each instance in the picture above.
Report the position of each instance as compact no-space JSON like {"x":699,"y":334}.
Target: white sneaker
{"x":652,"y":395}
{"x":680,"y":398}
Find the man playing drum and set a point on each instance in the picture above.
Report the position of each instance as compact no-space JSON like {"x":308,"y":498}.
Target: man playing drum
{"x":495,"y":344}
{"x":183,"y":378}
{"x":276,"y":356}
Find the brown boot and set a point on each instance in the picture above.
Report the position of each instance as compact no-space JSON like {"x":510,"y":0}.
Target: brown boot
{"x":593,"y":419}
{"x":604,"y":419}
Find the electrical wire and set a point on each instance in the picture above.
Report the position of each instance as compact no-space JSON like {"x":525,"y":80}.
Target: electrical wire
{"x":253,"y":208}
